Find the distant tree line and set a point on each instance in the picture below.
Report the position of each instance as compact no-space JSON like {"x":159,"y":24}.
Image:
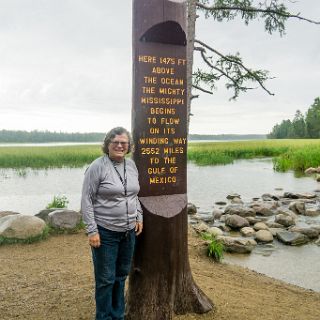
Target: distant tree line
{"x":227,"y":136}
{"x":301,"y":126}
{"x":8,"y":136}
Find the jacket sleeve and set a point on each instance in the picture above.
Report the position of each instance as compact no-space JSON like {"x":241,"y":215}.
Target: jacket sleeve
{"x":89,"y":190}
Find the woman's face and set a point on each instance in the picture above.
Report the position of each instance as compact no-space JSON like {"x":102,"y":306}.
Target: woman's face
{"x":118,"y":147}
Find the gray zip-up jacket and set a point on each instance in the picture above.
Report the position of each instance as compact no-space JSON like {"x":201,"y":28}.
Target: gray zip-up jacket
{"x":103,"y":199}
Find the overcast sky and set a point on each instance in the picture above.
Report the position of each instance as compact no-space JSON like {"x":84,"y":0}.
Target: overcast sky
{"x":65,"y":65}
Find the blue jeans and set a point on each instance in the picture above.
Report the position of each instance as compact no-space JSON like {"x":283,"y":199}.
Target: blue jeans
{"x":112,"y":262}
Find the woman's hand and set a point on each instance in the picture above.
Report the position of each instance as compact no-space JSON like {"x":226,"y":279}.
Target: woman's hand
{"x":138,"y":228}
{"x":94,"y":240}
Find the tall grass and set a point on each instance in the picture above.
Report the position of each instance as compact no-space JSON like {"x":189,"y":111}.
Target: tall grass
{"x":48,"y":157}
{"x":297,"y":154}
{"x":299,"y":159}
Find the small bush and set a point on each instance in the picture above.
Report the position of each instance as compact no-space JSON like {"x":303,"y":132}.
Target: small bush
{"x":215,"y":247}
{"x":58,"y":202}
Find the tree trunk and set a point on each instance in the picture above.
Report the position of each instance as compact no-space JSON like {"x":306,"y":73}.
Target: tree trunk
{"x":191,"y":27}
{"x":161,"y":282}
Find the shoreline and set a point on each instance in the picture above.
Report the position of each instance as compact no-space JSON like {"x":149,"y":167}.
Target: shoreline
{"x":53,"y":279}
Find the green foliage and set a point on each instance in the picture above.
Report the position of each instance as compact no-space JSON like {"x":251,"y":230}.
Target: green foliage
{"x":299,"y":159}
{"x":48,"y":157}
{"x":58,"y":202}
{"x":213,"y":153}
{"x":313,"y":119}
{"x":215,"y":247}
{"x":274,"y":13}
{"x":300,"y":126}
{"x":230,"y":68}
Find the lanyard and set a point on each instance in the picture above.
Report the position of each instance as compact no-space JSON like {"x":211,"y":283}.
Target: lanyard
{"x":123,"y":181}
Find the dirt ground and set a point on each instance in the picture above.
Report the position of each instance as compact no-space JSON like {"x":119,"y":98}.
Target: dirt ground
{"x":53,"y":280}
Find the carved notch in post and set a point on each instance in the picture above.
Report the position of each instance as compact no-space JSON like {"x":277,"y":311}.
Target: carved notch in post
{"x":161,"y":283}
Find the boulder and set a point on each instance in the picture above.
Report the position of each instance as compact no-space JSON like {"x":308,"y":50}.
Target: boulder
{"x":64,"y":219}
{"x":274,"y":231}
{"x":215,"y":231}
{"x":247,"y":231}
{"x":285,"y":211}
{"x":311,"y":233}
{"x":290,"y":195}
{"x":221,"y":203}
{"x":264,"y":208}
{"x":237,"y":245}
{"x":306,"y":195}
{"x":7,"y":213}
{"x":217,"y":213}
{"x":22,"y":227}
{"x":239,"y":210}
{"x":272,"y":224}
{"x":269,"y":197}
{"x":260,"y":226}
{"x":285,"y":220}
{"x":253,"y":220}
{"x":298,"y":207}
{"x":318,"y":177}
{"x":192,"y":209}
{"x":201,"y":227}
{"x":292,"y":238}
{"x":310,"y":170}
{"x":236,"y":200}
{"x":43,"y":214}
{"x":312,"y":212}
{"x":264,"y":236}
{"x":236,"y":222}
{"x":233,"y":195}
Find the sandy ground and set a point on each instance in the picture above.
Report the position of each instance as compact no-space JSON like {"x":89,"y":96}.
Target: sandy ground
{"x":53,"y":280}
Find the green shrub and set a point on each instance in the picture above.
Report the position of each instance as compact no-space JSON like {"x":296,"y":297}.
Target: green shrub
{"x":58,"y":202}
{"x":215,"y":247}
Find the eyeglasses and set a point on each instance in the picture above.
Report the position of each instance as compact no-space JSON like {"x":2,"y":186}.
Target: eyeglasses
{"x":122,"y":143}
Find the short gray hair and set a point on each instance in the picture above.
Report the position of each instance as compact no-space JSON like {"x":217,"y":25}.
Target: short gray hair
{"x":111,"y":135}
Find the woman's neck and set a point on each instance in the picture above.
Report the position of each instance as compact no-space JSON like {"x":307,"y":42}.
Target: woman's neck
{"x":115,"y":159}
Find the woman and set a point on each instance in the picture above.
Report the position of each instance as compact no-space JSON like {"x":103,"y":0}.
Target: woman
{"x":113,"y":217}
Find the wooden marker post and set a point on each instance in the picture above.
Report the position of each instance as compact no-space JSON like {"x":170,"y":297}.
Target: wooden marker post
{"x":161,"y":283}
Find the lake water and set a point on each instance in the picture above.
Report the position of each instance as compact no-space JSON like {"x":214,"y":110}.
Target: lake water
{"x":28,"y":191}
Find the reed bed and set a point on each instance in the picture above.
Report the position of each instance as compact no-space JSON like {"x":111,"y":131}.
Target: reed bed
{"x":48,"y":157}
{"x":287,"y":154}
{"x":297,"y":154}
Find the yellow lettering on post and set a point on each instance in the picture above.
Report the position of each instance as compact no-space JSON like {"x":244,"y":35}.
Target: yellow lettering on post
{"x":147,"y":59}
{"x":179,"y":140}
{"x":154,"y":130}
{"x":172,"y":81}
{"x":162,"y":70}
{"x":148,"y":89}
{"x":167,"y":60}
{"x":150,"y":80}
{"x":162,"y":180}
{"x":173,"y":150}
{"x":169,"y":121}
{"x":155,"y":170}
{"x":154,"y":160}
{"x":170,"y":160}
{"x":163,"y":111}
